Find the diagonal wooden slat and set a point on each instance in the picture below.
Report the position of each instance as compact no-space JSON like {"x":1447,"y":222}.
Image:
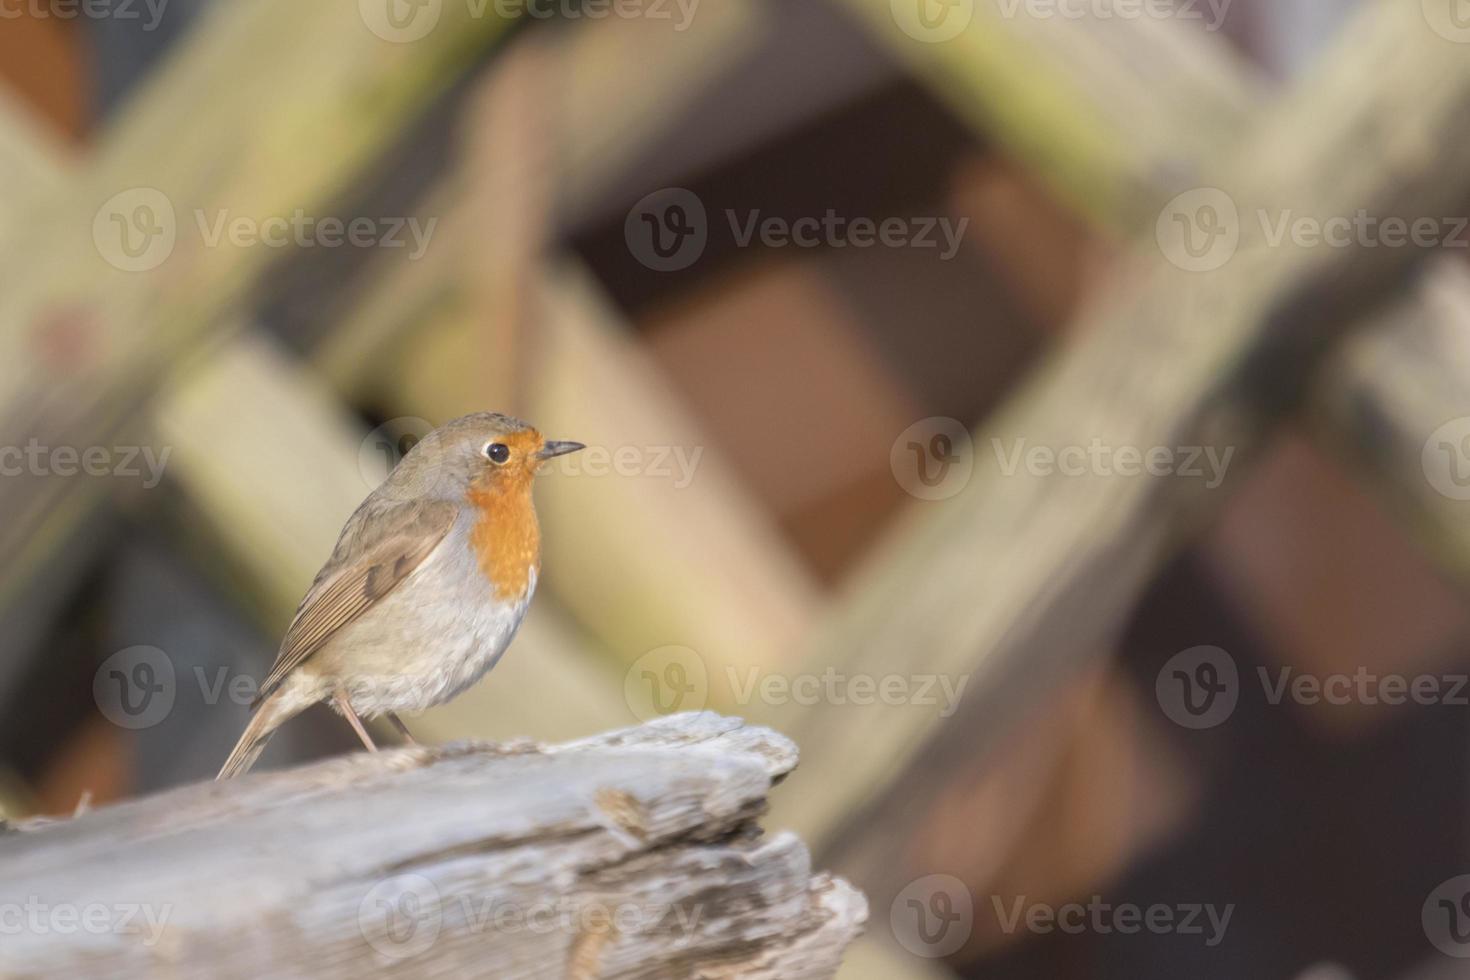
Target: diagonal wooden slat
{"x":272,"y":505}
{"x":1021,"y":579}
{"x":213,"y":133}
{"x":644,"y":560}
{"x":1122,"y":114}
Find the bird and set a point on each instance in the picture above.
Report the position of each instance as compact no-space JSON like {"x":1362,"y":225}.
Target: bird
{"x":425,"y":589}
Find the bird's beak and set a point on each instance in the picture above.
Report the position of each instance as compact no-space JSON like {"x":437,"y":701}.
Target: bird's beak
{"x":553,"y":449}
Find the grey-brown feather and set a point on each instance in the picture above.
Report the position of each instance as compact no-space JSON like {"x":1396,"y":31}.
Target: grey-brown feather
{"x":354,"y":579}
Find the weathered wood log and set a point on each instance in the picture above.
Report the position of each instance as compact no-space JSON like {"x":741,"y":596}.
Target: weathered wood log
{"x":631,"y":854}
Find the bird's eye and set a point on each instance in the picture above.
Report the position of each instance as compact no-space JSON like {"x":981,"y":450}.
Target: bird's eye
{"x":498,"y":452}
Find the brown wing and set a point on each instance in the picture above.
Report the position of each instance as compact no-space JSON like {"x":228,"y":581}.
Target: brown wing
{"x":379,"y":548}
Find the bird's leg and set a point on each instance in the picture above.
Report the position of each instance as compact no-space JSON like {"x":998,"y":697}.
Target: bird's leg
{"x":397,"y":723}
{"x":353,"y":720}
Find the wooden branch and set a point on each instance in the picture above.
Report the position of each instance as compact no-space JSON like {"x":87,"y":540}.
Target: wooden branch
{"x":632,"y":854}
{"x":1130,"y":112}
{"x":1022,"y":578}
{"x":1387,"y":391}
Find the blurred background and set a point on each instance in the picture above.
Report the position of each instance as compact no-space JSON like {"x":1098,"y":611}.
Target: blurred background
{"x":794,"y":270}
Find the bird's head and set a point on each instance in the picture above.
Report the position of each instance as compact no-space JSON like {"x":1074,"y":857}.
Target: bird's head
{"x":486,"y":453}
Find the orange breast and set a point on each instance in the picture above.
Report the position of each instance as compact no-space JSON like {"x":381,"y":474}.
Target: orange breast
{"x":506,"y":537}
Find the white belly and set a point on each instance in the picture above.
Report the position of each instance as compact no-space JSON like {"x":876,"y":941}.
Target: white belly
{"x":428,"y":640}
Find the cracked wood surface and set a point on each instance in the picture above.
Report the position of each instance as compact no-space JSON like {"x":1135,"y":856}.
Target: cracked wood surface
{"x":630,"y":854}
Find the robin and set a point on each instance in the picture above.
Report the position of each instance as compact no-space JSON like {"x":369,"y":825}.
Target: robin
{"x":424,"y":590}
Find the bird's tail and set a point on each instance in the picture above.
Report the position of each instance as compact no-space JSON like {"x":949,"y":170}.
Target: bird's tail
{"x":273,"y":712}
